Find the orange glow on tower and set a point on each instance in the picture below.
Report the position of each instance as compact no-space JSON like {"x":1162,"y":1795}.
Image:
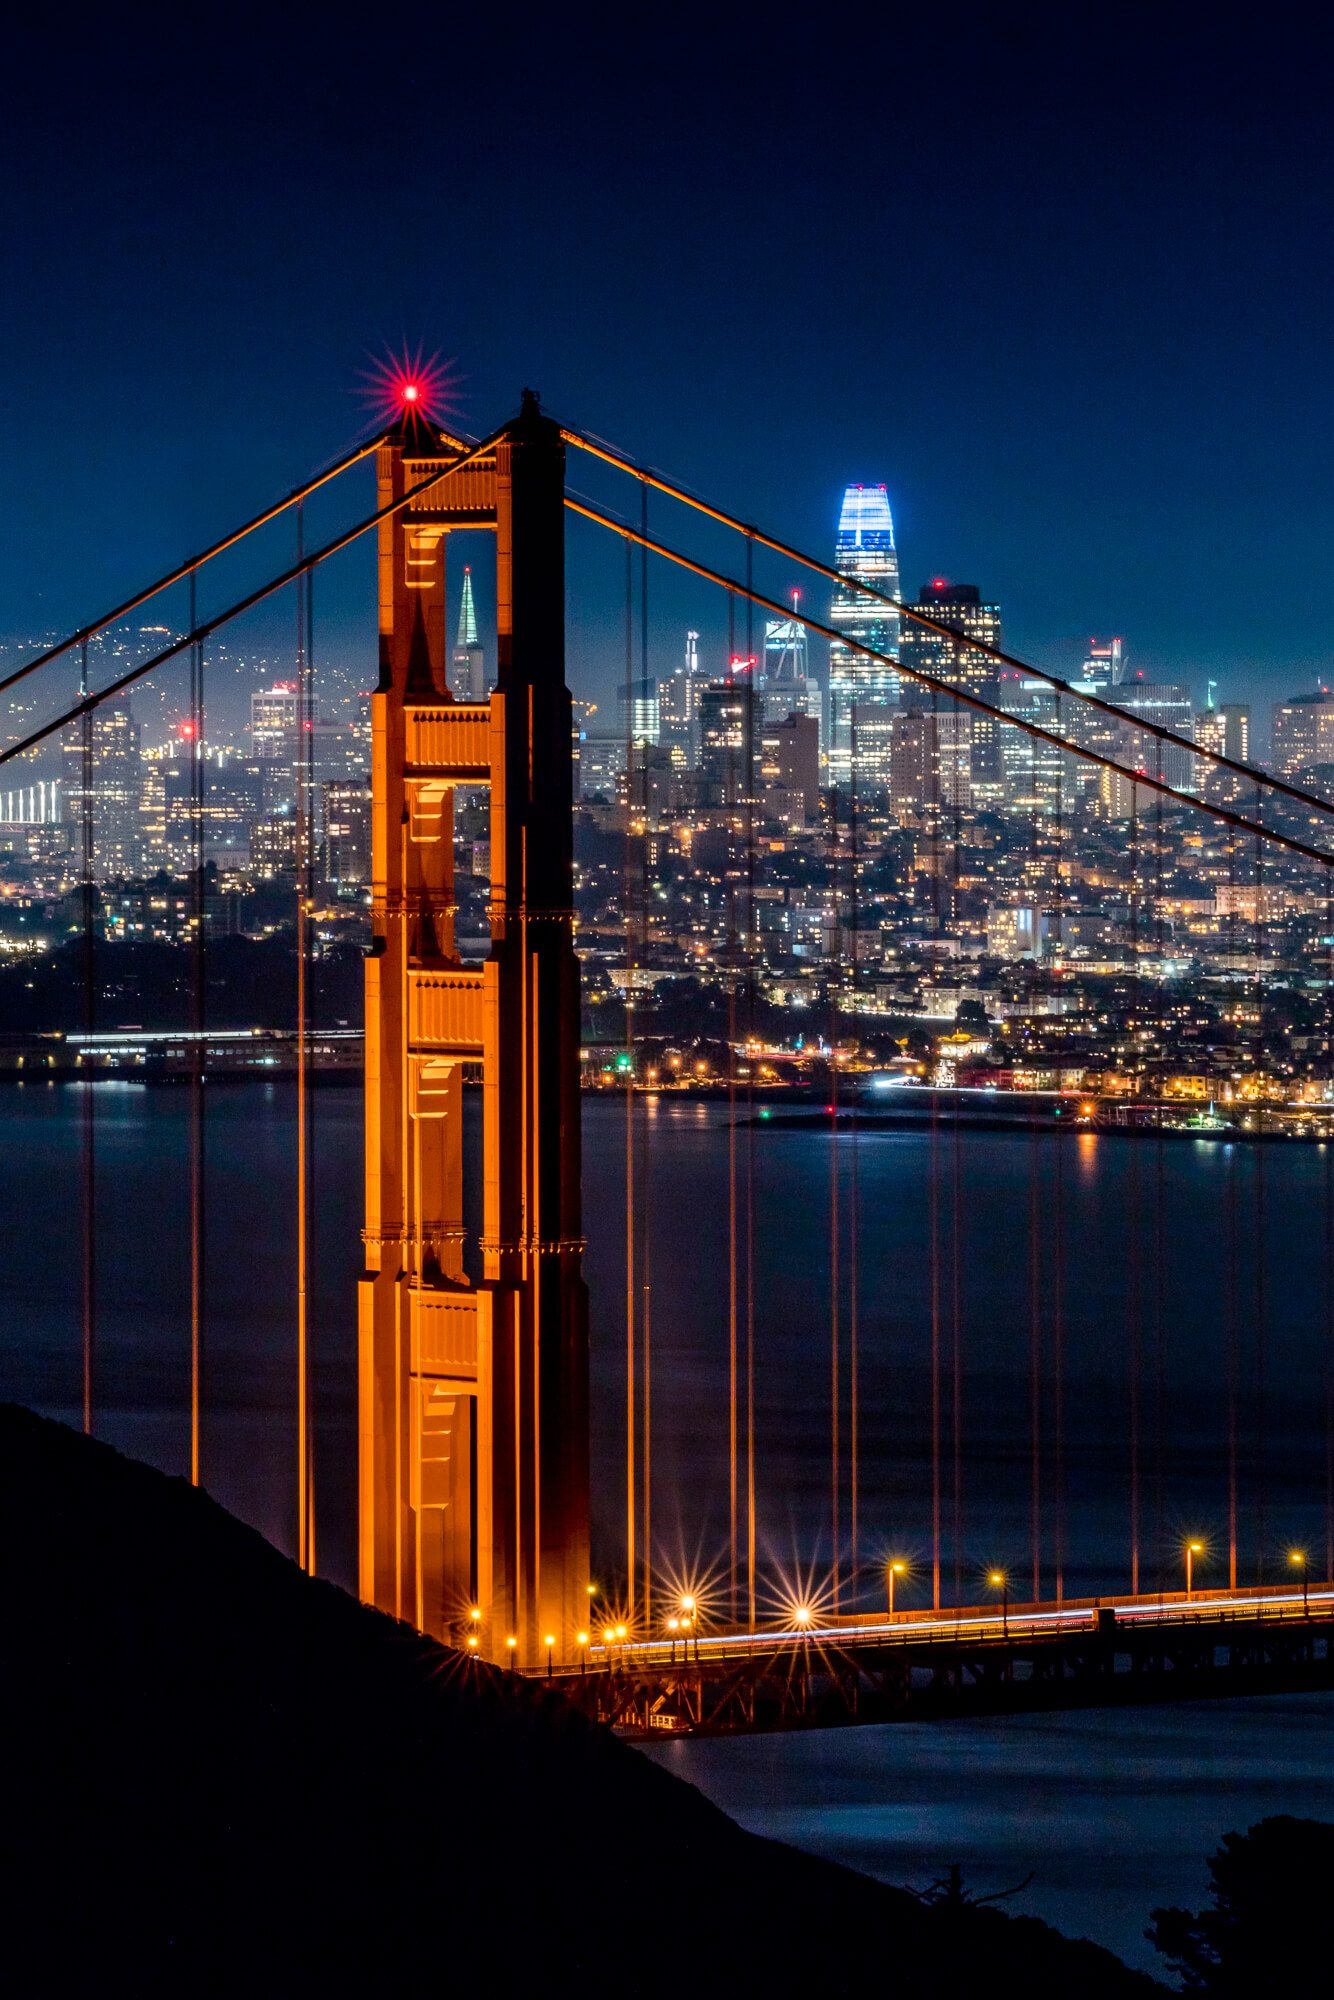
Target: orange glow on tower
{"x":472,"y":1385}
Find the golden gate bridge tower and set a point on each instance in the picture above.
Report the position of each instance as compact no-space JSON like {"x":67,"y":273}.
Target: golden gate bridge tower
{"x":473,"y":1394}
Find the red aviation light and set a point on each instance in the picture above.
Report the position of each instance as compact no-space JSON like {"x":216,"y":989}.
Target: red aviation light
{"x":185,"y":729}
{"x":410,"y":382}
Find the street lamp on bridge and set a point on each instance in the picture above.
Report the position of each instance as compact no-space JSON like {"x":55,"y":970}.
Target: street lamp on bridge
{"x":1297,"y":1557}
{"x":893,"y":1569}
{"x":1193,"y":1549}
{"x":999,"y":1580}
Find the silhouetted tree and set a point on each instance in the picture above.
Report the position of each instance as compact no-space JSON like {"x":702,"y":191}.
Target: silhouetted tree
{"x":1271,"y":1922}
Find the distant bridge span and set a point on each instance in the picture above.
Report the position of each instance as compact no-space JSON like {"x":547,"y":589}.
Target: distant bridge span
{"x":977,"y":1660}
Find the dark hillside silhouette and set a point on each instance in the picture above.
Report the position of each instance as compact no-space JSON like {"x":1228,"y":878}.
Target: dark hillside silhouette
{"x":221,"y":1776}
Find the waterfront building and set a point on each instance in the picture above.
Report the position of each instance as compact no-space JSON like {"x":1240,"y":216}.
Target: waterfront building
{"x":862,"y":691}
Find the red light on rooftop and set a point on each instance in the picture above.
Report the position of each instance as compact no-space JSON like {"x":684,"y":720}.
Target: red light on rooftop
{"x":186,"y":729}
{"x":410,"y":392}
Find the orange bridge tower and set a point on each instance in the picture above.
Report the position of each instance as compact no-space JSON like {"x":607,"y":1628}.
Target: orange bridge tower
{"x":473,"y":1385}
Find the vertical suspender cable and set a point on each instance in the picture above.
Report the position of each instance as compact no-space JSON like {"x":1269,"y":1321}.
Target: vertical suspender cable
{"x":750,"y":1084}
{"x":956,"y":1175}
{"x":1132,"y":1200}
{"x":1057,"y":1296}
{"x":835,"y":1220}
{"x":88,"y":1120}
{"x":835,"y":1205}
{"x":308,"y":1028}
{"x":303,"y":1536}
{"x":1232,"y":1302}
{"x":198,"y":997}
{"x":631,"y":1408}
{"x":1328,"y":1151}
{"x":1035,"y":1241}
{"x":854,"y":1188}
{"x":733,"y":1213}
{"x":645,"y":1202}
{"x":930,"y":792}
{"x":1261,"y":1286}
{"x":1159,"y":1188}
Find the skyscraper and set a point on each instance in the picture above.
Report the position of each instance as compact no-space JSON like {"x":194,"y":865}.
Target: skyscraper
{"x":467,"y":666}
{"x":960,"y":606}
{"x":115,"y":788}
{"x":1105,"y":665}
{"x":861,"y":689}
{"x":784,"y":686}
{"x":678,"y":707}
{"x":1303,"y":733}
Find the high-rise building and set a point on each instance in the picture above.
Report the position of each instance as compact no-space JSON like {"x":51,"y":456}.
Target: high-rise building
{"x":1104,"y":665}
{"x":1225,"y":728}
{"x":1303,"y":733}
{"x":115,"y":788}
{"x":862,"y":690}
{"x":273,"y":723}
{"x":678,"y":707}
{"x":640,"y":710}
{"x":958,"y":661}
{"x":1033,"y":771}
{"x":347,"y":836}
{"x":930,"y":763}
{"x":727,"y":739}
{"x":790,"y":769}
{"x":1168,"y":704}
{"x":783,"y":680}
{"x":467,"y":665}
{"x":961,"y":663}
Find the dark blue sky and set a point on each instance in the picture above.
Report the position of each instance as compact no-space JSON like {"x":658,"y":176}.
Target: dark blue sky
{"x":1064,"y":284}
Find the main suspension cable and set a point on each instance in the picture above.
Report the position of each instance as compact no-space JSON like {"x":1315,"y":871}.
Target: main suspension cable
{"x":977,"y":702}
{"x":864,"y":589}
{"x":208,"y":626}
{"x":192,"y":567}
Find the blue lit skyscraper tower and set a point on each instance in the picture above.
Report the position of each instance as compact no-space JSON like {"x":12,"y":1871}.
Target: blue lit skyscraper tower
{"x":865,"y":551}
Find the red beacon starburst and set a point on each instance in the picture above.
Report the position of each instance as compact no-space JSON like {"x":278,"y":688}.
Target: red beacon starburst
{"x":410,"y":384}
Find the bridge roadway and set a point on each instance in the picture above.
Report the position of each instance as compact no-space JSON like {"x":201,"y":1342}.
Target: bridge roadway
{"x":977,"y":1660}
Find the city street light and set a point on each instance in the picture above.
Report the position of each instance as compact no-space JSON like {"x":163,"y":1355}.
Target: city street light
{"x":511,"y":1644}
{"x":1000,"y":1581}
{"x":1193,"y":1549}
{"x":581,"y":1641}
{"x":551,"y":1641}
{"x":1297,"y":1557}
{"x":892,"y":1570}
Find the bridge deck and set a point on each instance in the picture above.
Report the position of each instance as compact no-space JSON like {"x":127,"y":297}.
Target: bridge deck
{"x":978,"y":1660}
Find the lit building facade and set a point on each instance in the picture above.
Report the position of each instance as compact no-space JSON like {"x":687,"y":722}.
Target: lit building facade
{"x":467,"y":665}
{"x":115,"y":789}
{"x":961,"y":663}
{"x":862,"y":691}
{"x":1303,"y":733}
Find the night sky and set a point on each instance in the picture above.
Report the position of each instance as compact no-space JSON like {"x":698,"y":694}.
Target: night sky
{"x":1062,"y":283}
